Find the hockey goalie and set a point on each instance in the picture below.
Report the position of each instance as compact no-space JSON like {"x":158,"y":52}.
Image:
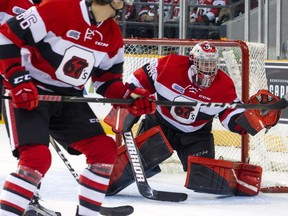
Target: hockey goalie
{"x":188,"y":130}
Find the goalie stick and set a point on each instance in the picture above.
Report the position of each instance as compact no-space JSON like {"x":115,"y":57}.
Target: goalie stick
{"x":141,"y":181}
{"x":113,"y":211}
{"x":281,"y":104}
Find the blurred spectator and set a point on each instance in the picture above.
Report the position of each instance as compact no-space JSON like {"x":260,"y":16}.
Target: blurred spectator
{"x":172,"y":31}
{"x":223,"y":16}
{"x":203,"y":17}
{"x":175,"y":10}
{"x":154,"y":11}
{"x":146,"y":14}
{"x":150,"y":13}
{"x":130,"y":15}
{"x":168,"y":9}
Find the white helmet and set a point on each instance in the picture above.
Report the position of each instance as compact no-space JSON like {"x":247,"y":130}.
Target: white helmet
{"x":204,"y":57}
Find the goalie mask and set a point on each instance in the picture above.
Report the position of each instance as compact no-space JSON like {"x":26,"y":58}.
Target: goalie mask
{"x":204,"y":57}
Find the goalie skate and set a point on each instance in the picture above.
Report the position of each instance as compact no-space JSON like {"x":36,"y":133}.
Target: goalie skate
{"x":35,"y":209}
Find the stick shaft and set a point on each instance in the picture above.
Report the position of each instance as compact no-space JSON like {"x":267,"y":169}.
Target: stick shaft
{"x":64,"y":159}
{"x":283,"y":103}
{"x":278,"y":105}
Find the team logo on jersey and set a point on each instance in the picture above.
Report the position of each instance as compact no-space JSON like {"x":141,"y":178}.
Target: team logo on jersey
{"x":178,"y":88}
{"x":17,"y":10}
{"x":73,"y":34}
{"x":184,"y":114}
{"x":76,"y":66}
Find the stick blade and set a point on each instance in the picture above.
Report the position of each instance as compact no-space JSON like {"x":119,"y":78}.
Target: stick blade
{"x":117,"y":211}
{"x":150,"y":193}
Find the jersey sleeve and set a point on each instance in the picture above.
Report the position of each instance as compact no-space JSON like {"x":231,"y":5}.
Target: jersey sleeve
{"x":3,"y":11}
{"x":107,"y":79}
{"x":27,"y":28}
{"x":10,"y":53}
{"x":229,"y":95}
{"x":23,"y":30}
{"x":109,"y":83}
{"x":228,"y":119}
{"x":145,"y":76}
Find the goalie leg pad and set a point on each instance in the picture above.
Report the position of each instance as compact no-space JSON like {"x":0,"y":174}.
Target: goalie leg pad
{"x":210,"y":176}
{"x":223,"y":177}
{"x":248,"y":179}
{"x":154,"y":148}
{"x":122,"y":175}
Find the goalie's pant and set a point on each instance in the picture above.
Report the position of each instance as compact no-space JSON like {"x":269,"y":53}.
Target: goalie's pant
{"x":223,"y":177}
{"x":153,"y":148}
{"x":200,"y":143}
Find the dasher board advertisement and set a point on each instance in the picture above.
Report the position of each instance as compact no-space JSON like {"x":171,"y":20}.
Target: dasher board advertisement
{"x":277,"y":80}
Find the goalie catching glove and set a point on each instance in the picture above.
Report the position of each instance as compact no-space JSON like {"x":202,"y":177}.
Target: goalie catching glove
{"x":254,"y":120}
{"x":144,"y":102}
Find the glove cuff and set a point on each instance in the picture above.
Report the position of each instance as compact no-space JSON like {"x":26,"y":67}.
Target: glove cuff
{"x":16,"y":76}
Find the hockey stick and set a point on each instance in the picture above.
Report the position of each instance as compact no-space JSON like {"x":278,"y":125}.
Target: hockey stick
{"x":64,"y":159}
{"x":115,"y":211}
{"x":141,"y":181}
{"x":281,"y":104}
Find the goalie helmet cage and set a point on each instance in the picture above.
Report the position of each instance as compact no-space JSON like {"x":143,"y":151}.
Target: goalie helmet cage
{"x":245,"y":63}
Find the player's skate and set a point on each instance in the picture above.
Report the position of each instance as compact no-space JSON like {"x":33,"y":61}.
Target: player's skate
{"x":35,"y":209}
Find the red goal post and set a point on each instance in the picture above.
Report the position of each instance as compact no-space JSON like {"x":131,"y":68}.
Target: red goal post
{"x":245,"y":63}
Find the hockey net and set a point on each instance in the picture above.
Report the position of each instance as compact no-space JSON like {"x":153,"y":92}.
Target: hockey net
{"x":244,"y":62}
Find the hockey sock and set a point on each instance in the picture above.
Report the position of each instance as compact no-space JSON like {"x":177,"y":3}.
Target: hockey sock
{"x":93,"y":184}
{"x":18,"y":190}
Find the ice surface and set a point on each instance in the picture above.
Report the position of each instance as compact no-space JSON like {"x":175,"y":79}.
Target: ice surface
{"x":59,"y":192}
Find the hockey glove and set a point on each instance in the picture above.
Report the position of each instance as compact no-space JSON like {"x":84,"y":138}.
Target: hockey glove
{"x":120,"y":120}
{"x":254,"y":120}
{"x":144,"y":102}
{"x":22,"y":90}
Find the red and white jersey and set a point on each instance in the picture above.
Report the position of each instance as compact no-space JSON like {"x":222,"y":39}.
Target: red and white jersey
{"x":175,"y":8}
{"x":170,"y":78}
{"x":11,"y":8}
{"x":211,"y":13}
{"x":65,"y":48}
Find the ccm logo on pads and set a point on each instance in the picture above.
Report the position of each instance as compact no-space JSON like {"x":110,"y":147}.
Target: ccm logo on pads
{"x":94,"y":120}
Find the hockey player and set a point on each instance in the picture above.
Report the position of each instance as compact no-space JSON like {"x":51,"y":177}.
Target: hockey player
{"x":189,"y":129}
{"x":7,"y":10}
{"x":62,"y":51}
{"x":10,"y":9}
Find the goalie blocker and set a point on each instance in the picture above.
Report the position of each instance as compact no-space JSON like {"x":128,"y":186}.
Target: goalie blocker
{"x":154,"y":148}
{"x":223,"y":177}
